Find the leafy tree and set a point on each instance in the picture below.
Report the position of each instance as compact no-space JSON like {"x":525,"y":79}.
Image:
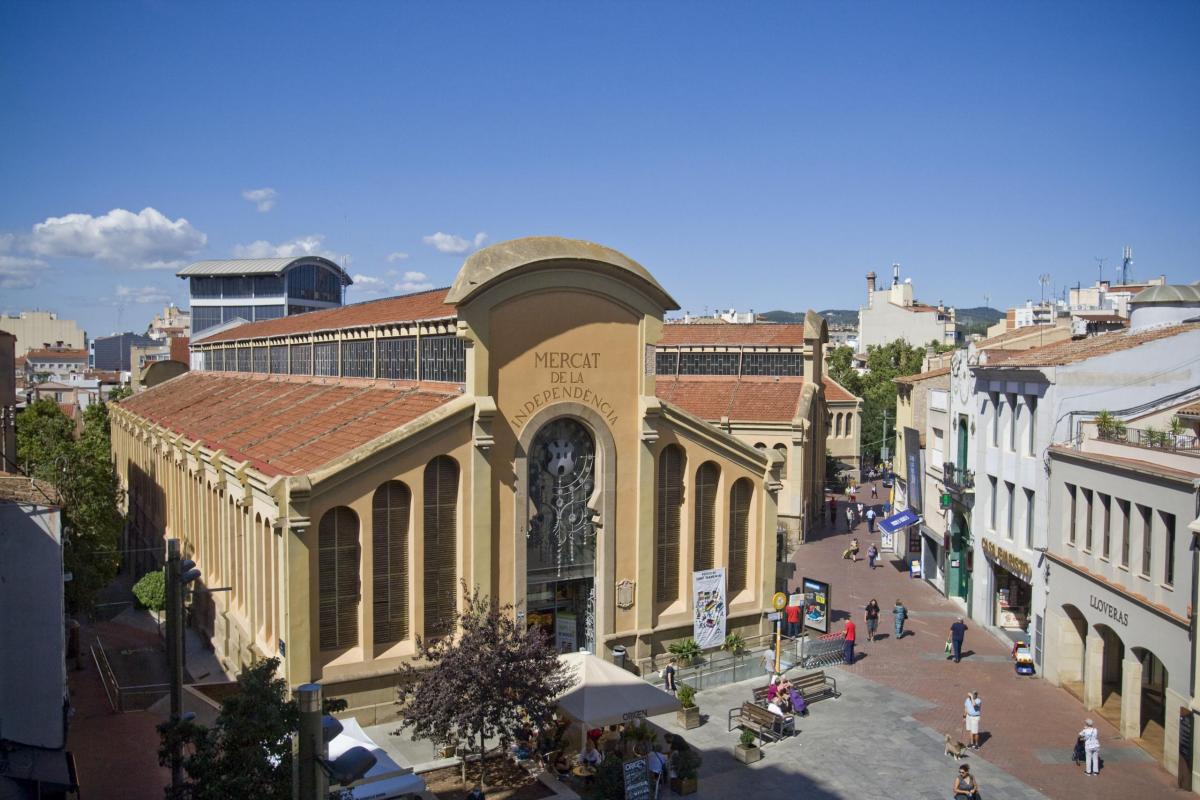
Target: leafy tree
{"x":81,"y":469}
{"x":884,"y":364}
{"x":151,"y":590}
{"x":840,"y":367}
{"x":118,"y":394}
{"x":483,"y":683}
{"x":248,"y":751}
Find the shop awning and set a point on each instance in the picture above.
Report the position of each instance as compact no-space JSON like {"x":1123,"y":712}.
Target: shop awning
{"x":386,"y":779}
{"x":605,"y":694}
{"x":900,"y":521}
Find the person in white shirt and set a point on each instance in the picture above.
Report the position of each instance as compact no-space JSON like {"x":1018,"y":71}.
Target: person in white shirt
{"x":590,"y":755}
{"x":785,"y":724}
{"x":972,"y":710}
{"x":656,"y":762}
{"x":1091,"y":748}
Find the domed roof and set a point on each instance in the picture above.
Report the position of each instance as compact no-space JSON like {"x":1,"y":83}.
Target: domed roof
{"x":1178,"y":293}
{"x":519,"y":255}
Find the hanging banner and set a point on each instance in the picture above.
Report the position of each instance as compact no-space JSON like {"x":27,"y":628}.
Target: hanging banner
{"x":708,"y":588}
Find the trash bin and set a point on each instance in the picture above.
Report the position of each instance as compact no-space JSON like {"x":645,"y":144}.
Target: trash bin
{"x":618,"y":656}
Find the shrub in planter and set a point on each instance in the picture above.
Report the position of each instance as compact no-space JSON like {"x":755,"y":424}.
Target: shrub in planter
{"x":685,"y":651}
{"x":747,"y":750}
{"x":151,"y":591}
{"x":685,"y":762}
{"x":688,"y":717}
{"x":734,"y":644}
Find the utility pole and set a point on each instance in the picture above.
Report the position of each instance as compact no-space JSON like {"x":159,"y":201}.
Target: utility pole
{"x":311,"y":782}
{"x":180,"y":572}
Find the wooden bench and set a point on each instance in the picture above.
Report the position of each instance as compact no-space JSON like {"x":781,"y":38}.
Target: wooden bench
{"x":766,"y":726}
{"x":760,"y":695}
{"x":814,"y":686}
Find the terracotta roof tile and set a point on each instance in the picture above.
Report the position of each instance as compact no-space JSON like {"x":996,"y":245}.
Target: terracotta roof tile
{"x":922,"y":376}
{"x":405,"y":308}
{"x":1015,"y":333}
{"x":1192,"y":410}
{"x":712,"y":397}
{"x":283,"y":426}
{"x":1070,"y":351}
{"x":760,"y":333}
{"x":836,"y":393}
{"x":46,"y":355}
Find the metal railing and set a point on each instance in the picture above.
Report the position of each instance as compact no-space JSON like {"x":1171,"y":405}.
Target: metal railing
{"x":107,"y":679}
{"x":125,"y":698}
{"x":719,"y":667}
{"x":1183,"y":443}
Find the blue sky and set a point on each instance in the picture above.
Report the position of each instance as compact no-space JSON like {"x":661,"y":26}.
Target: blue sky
{"x":753,"y":155}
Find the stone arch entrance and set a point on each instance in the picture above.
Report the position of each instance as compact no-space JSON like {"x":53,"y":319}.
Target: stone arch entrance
{"x":1104,"y":679}
{"x":1072,"y":643}
{"x":1146,"y":718}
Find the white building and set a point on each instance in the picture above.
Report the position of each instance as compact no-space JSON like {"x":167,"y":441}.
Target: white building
{"x":892,"y":314}
{"x":1109,"y":296}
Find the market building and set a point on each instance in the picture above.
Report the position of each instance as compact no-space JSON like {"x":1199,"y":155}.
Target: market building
{"x":1120,"y":572}
{"x":344,"y":471}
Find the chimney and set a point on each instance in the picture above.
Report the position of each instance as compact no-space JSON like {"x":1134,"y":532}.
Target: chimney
{"x":895,"y":274}
{"x":870,"y":287}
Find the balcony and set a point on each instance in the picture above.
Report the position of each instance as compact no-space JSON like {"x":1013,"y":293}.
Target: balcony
{"x":958,"y":481}
{"x":1183,"y":443}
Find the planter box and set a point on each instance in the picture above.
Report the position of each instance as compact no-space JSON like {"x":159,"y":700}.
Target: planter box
{"x":747,"y":755}
{"x":688,"y":718}
{"x":683,"y":785}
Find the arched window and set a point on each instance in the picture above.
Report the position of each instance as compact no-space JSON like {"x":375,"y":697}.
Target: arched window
{"x":389,"y":548}
{"x":739,"y":534}
{"x":667,"y":501}
{"x":837,"y":431}
{"x":783,"y":453}
{"x":441,"y":530}
{"x":707,"y":478}
{"x":337,"y":561}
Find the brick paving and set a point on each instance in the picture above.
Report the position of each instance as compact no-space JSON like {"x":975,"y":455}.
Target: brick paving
{"x":1030,"y":726}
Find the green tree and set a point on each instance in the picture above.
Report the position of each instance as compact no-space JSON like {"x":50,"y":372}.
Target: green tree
{"x":482,"y":683}
{"x":884,"y":364}
{"x":248,"y":751}
{"x":151,"y":590}
{"x":81,"y":469}
{"x":118,"y":394}
{"x":840,"y":367}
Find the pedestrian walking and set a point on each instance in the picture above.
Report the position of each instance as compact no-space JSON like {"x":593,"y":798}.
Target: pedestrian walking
{"x":900,"y":613}
{"x":872,"y":616}
{"x":792,"y":616}
{"x":958,"y":632}
{"x":833,"y":512}
{"x":872,"y":554}
{"x":871,"y":519}
{"x":853,"y":492}
{"x":849,"y":518}
{"x":859,"y":507}
{"x":1091,"y":748}
{"x":848,"y":646}
{"x":972,"y":711}
{"x":874,"y":491}
{"x":668,"y":675}
{"x":965,"y":785}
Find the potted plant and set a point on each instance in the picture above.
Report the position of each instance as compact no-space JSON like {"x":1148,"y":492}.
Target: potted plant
{"x":685,"y":651}
{"x":734,"y":644}
{"x":747,"y":750}
{"x":685,"y":766}
{"x":688,"y":716}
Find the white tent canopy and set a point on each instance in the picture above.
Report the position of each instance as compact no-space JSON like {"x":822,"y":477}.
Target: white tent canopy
{"x":399,"y":781}
{"x":605,"y":694}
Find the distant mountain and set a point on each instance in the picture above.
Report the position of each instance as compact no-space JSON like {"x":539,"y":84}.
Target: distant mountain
{"x":978,"y":314}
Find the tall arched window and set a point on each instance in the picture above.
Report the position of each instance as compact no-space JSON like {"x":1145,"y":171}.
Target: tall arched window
{"x":849,"y":425}
{"x":389,"y":548}
{"x":837,"y":430}
{"x":337,"y":562}
{"x":707,"y":478}
{"x":441,"y":532}
{"x":783,"y":453}
{"x":739,"y":534}
{"x":667,"y":502}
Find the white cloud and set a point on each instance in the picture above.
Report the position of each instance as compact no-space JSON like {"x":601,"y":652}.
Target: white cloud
{"x":310,"y":245}
{"x":142,"y":294}
{"x":146,"y":240}
{"x":413,"y":282}
{"x":396,"y":256}
{"x":449,"y":243}
{"x":263,"y":199}
{"x":17,"y":272}
{"x":7,"y":240}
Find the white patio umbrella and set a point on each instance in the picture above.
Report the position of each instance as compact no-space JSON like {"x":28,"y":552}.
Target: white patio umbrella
{"x":605,"y":694}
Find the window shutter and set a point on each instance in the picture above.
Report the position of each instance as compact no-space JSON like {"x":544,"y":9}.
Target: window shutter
{"x":338,"y":576}
{"x":739,"y":534}
{"x":389,"y":542}
{"x":440,"y":531}
{"x":668,"y":502}
{"x":707,"y":478}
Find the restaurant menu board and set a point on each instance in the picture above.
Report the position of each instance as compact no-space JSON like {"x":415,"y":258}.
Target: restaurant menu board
{"x":637,"y":780}
{"x":816,"y":605}
{"x":708,"y":627}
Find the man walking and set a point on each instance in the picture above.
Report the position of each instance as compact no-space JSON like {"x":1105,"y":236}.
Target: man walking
{"x":958,"y":632}
{"x":874,"y":491}
{"x":871,"y":519}
{"x":849,"y":517}
{"x":848,"y":647}
{"x":972,"y":710}
{"x":900,"y":613}
{"x":872,"y":554}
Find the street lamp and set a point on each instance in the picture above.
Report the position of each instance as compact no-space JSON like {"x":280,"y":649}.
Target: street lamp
{"x":314,"y":770}
{"x":179,"y":573}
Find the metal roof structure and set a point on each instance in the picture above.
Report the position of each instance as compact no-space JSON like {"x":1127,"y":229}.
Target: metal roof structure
{"x":1175,"y":293}
{"x":257,"y":266}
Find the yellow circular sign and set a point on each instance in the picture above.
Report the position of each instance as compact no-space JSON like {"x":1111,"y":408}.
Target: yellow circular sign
{"x":779,"y":601}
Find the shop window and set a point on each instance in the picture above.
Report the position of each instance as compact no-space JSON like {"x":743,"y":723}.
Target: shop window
{"x":1123,"y":506}
{"x":1147,"y":539}
{"x":390,"y":509}
{"x":739,"y":534}
{"x":707,"y":478}
{"x":668,"y":500}
{"x":1168,"y":521}
{"x":441,"y":545}
{"x":338,"y":580}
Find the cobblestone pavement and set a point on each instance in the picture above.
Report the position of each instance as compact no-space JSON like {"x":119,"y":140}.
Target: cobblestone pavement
{"x":1029,"y":726}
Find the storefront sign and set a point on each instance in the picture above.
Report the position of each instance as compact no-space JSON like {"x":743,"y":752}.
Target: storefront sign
{"x":912,"y":457}
{"x":708,"y":624}
{"x":1108,"y":609}
{"x":887,"y":541}
{"x":816,"y":610}
{"x":564,"y":632}
{"x":1008,"y":561}
{"x":637,"y":779}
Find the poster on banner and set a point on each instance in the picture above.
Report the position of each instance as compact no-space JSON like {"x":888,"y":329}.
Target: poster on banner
{"x":564,"y":632}
{"x":816,"y":609}
{"x":708,"y":589}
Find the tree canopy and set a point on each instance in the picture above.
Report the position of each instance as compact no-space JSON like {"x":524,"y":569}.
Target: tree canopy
{"x":483,"y":684}
{"x":884,"y":364}
{"x":81,"y":469}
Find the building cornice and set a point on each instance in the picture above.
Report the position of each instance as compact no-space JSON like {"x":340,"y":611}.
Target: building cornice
{"x":1116,"y":588}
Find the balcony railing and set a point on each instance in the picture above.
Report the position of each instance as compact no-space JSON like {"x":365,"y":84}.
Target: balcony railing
{"x":957,"y":480}
{"x":1183,"y":443}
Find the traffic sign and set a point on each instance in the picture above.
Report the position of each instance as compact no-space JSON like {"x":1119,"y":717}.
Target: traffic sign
{"x":779,"y":601}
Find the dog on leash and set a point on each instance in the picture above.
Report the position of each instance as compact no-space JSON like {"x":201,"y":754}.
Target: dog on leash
{"x":955,"y":750}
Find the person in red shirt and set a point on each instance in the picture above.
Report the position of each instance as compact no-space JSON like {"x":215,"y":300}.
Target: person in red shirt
{"x":848,"y":647}
{"x":792,"y":615}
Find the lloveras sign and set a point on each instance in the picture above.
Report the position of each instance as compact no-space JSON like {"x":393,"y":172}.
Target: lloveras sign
{"x":566,"y":370}
{"x":1108,"y":609}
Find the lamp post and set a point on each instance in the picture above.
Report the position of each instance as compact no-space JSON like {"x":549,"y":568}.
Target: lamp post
{"x":180,"y":573}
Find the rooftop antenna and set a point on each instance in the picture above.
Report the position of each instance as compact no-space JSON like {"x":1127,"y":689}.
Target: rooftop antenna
{"x":1044,"y":280}
{"x":1127,"y":264}
{"x":1101,"y":261}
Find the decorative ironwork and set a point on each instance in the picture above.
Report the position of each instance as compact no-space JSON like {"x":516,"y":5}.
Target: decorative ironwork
{"x":562,"y":530}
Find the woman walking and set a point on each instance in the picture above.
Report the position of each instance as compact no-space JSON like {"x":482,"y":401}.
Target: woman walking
{"x":1091,"y":748}
{"x":965,"y":785}
{"x":900,"y":613}
{"x":872,"y":619}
